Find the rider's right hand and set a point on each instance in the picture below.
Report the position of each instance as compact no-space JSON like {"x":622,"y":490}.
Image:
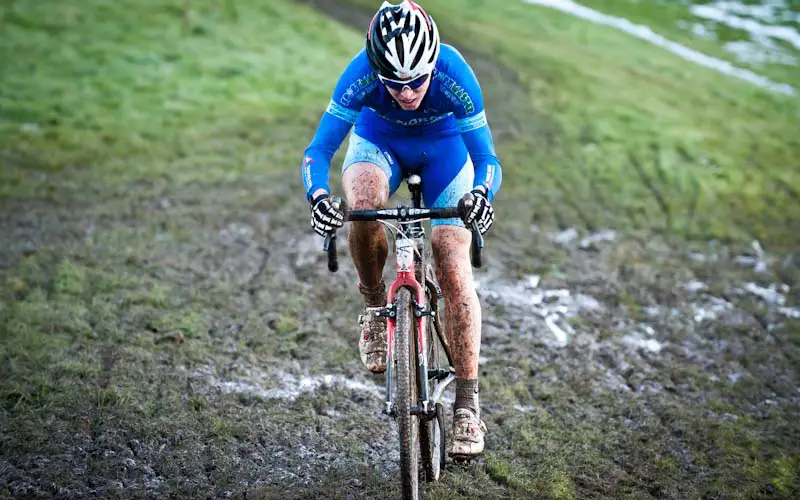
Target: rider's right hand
{"x":325,"y":216}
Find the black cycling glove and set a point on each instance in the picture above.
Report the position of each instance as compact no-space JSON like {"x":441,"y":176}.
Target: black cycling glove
{"x":325,"y":217}
{"x":482,"y":212}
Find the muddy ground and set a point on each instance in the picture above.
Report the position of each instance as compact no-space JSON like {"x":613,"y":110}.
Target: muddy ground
{"x":612,"y":366}
{"x":201,"y":349}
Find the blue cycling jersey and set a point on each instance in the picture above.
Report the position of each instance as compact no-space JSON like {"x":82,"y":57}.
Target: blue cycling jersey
{"x":453,"y":105}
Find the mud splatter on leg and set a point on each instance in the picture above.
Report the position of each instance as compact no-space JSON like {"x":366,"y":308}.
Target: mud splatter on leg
{"x":366,"y":187}
{"x":462,"y":308}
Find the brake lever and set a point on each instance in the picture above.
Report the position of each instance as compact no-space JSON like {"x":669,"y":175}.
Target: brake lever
{"x":464,"y":206}
{"x":476,"y":246}
{"x":329,"y":245}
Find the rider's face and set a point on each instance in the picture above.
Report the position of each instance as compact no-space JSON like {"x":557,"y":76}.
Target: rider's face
{"x":409,"y":99}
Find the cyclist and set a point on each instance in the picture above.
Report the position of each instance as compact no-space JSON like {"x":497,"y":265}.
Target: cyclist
{"x":417,"y":108}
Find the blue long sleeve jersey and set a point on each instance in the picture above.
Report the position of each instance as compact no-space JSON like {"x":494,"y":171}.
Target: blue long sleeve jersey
{"x":452,"y":105}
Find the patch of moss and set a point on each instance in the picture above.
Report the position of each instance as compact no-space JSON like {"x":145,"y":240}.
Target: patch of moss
{"x":504,"y":471}
{"x":285,"y":324}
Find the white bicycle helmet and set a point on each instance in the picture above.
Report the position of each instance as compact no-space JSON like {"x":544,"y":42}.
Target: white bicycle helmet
{"x":402,"y":41}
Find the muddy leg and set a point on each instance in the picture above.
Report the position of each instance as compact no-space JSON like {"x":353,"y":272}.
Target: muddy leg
{"x":462,"y":309}
{"x":366,"y":187}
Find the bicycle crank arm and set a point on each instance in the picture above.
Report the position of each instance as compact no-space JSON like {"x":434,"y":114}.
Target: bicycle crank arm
{"x":437,"y":394}
{"x":439,"y":374}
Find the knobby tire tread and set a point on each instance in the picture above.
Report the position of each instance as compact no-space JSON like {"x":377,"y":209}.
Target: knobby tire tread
{"x":406,"y":395}
{"x":427,"y":430}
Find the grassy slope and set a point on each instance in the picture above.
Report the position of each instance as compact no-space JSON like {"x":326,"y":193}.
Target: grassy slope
{"x":719,"y":161}
{"x":663,"y":18}
{"x":104,"y":115}
{"x":161,"y":92}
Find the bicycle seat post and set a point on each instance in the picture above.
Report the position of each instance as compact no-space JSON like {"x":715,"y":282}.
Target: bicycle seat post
{"x":415,"y":229}
{"x":415,"y":187}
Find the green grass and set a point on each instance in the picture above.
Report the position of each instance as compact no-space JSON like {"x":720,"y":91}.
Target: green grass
{"x":137,"y":90}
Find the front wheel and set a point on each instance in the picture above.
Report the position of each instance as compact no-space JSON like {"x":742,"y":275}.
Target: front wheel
{"x":406,"y":395}
{"x":431,"y":432}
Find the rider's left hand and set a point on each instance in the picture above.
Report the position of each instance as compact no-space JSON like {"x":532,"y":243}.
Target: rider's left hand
{"x":482,"y":211}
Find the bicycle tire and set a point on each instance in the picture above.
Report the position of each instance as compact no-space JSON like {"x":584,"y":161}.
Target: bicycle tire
{"x":442,"y":442}
{"x":431,"y":432}
{"x":406,"y":395}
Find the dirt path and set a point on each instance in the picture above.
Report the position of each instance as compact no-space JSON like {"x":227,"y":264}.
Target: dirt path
{"x":226,"y":364}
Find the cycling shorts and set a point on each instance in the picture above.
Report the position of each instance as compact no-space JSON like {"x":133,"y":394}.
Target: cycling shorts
{"x":442,"y":163}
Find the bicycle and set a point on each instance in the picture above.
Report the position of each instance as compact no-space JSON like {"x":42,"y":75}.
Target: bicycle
{"x":413,"y":396}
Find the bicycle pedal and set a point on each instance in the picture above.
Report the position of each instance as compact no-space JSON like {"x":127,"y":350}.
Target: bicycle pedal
{"x":438,"y":374}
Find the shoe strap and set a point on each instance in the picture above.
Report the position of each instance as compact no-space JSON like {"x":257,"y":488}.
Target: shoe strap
{"x":464,"y":413}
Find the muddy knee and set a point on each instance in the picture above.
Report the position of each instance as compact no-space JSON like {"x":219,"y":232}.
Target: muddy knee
{"x":451,"y":253}
{"x":365,"y":186}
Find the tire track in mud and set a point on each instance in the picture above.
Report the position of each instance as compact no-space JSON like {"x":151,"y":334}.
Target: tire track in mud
{"x":292,"y":357}
{"x":635,"y":356}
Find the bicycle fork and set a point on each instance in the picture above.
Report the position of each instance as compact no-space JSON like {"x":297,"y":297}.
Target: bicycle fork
{"x":405,"y":278}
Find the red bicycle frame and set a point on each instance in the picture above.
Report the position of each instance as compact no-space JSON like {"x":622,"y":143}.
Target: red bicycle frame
{"x":405,"y":248}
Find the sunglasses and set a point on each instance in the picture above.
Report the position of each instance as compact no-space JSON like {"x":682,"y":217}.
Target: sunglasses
{"x":400,"y":85}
